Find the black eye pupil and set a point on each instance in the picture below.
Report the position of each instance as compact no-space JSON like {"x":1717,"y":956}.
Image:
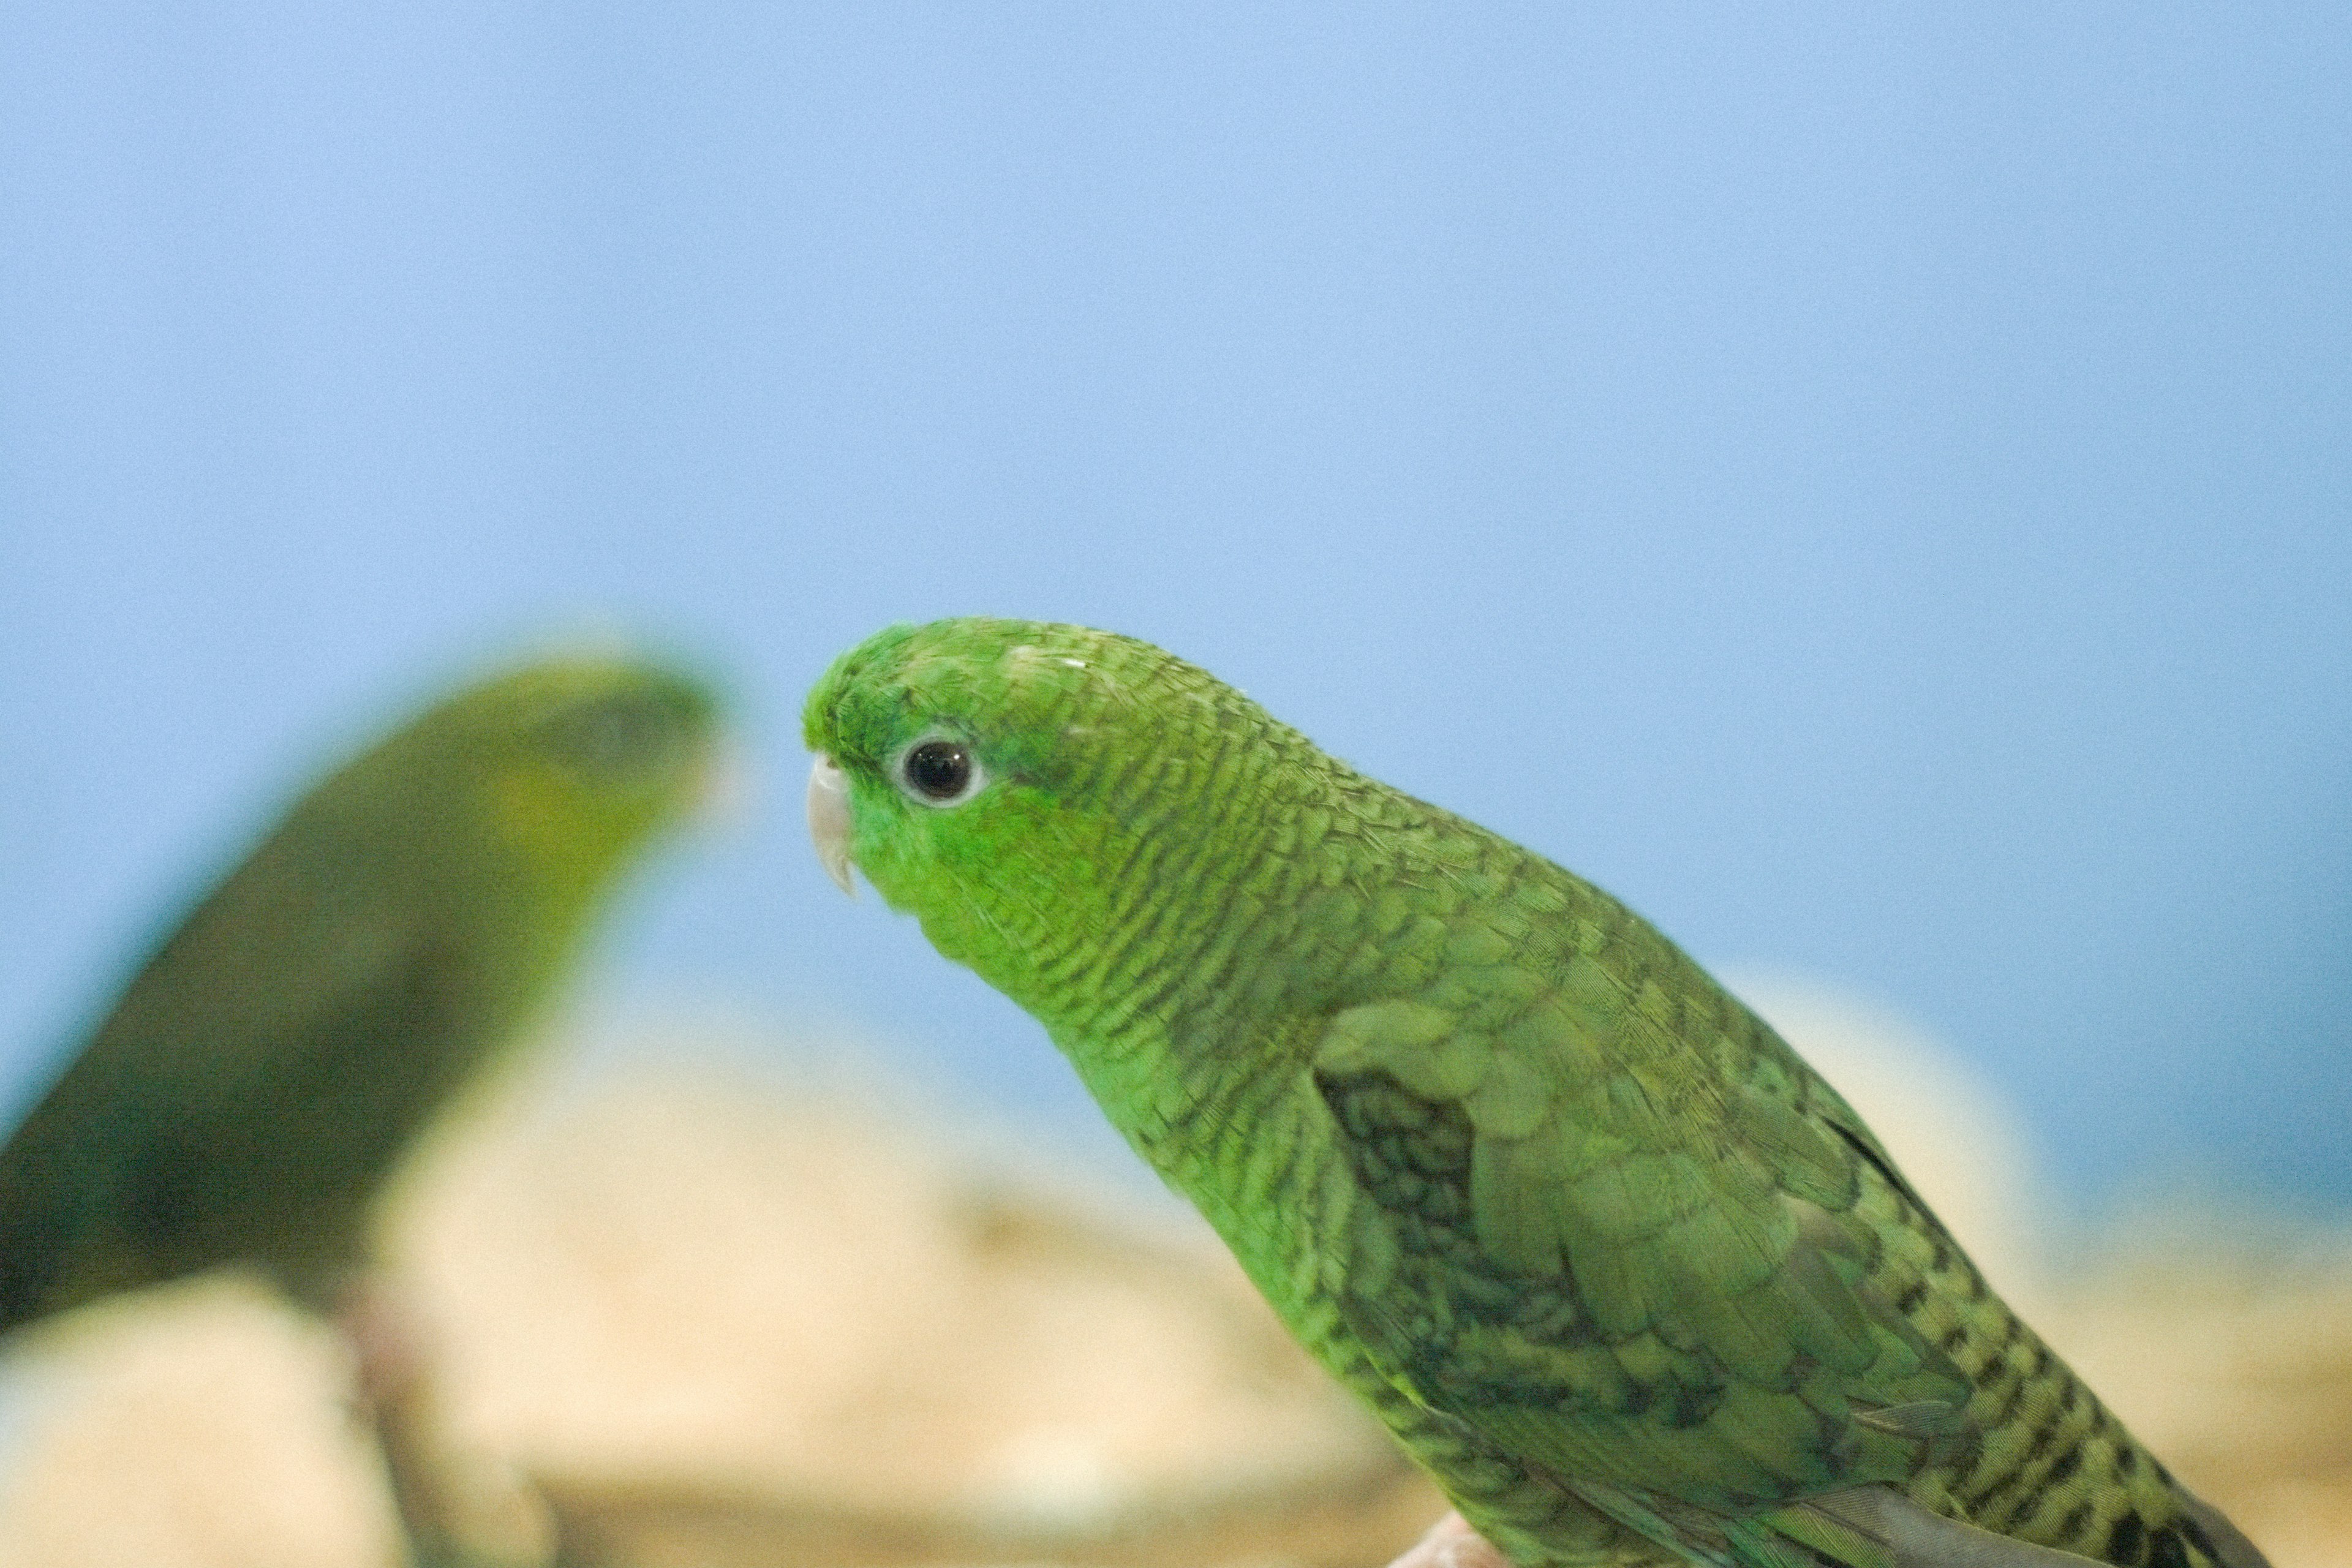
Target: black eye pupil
{"x":939,"y":769}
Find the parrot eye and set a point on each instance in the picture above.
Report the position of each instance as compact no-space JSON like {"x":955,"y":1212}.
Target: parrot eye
{"x":940,"y":772}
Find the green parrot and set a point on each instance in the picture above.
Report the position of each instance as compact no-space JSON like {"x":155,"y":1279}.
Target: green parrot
{"x":269,"y":1064}
{"x":1629,"y":1280}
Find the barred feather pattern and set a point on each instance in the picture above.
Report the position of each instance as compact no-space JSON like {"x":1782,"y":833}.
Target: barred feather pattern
{"x":1410,"y":1072}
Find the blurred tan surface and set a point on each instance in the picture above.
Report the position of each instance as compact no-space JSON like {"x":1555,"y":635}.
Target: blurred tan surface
{"x":685,"y":1307}
{"x":2231,"y":1357}
{"x":191,"y":1426}
{"x":703,"y":1320}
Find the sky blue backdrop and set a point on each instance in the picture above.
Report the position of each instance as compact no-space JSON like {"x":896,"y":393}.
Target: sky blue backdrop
{"x":1871,"y":491}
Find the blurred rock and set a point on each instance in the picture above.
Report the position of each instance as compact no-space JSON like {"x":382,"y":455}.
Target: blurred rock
{"x":718,"y":1328}
{"x":204,"y":1425}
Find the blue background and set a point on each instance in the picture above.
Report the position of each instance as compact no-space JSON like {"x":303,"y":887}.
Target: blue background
{"x":1871,"y":491}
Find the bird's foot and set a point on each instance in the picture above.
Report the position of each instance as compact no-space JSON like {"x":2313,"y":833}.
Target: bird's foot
{"x":389,"y":1341}
{"x":458,"y":1510}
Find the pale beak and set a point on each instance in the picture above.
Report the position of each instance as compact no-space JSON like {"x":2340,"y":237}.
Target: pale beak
{"x":829,"y":818}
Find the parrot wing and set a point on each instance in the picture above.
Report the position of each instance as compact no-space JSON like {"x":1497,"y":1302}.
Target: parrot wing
{"x":1583,"y":1240}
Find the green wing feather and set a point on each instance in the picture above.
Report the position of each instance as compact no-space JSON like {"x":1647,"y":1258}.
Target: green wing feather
{"x":1619,"y":1265}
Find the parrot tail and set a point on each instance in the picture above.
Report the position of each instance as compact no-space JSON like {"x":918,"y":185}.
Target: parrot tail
{"x":1878,"y":1527}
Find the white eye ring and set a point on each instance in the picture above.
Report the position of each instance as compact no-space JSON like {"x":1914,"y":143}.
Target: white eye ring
{"x":938,"y":771}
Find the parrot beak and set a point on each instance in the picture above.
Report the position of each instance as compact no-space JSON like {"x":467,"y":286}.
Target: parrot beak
{"x":828,"y":819}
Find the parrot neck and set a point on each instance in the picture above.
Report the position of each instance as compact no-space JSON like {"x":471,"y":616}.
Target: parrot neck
{"x":1230,"y":1131}
{"x":1190,"y":989}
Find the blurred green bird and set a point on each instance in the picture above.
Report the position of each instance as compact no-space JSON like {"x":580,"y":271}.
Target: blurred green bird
{"x":273,"y":1058}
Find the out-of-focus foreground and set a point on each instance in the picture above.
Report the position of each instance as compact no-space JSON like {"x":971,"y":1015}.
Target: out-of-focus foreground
{"x":703,"y":1320}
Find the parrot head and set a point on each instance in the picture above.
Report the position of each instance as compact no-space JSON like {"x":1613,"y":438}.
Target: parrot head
{"x":557,"y":771}
{"x":1005,"y":781}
